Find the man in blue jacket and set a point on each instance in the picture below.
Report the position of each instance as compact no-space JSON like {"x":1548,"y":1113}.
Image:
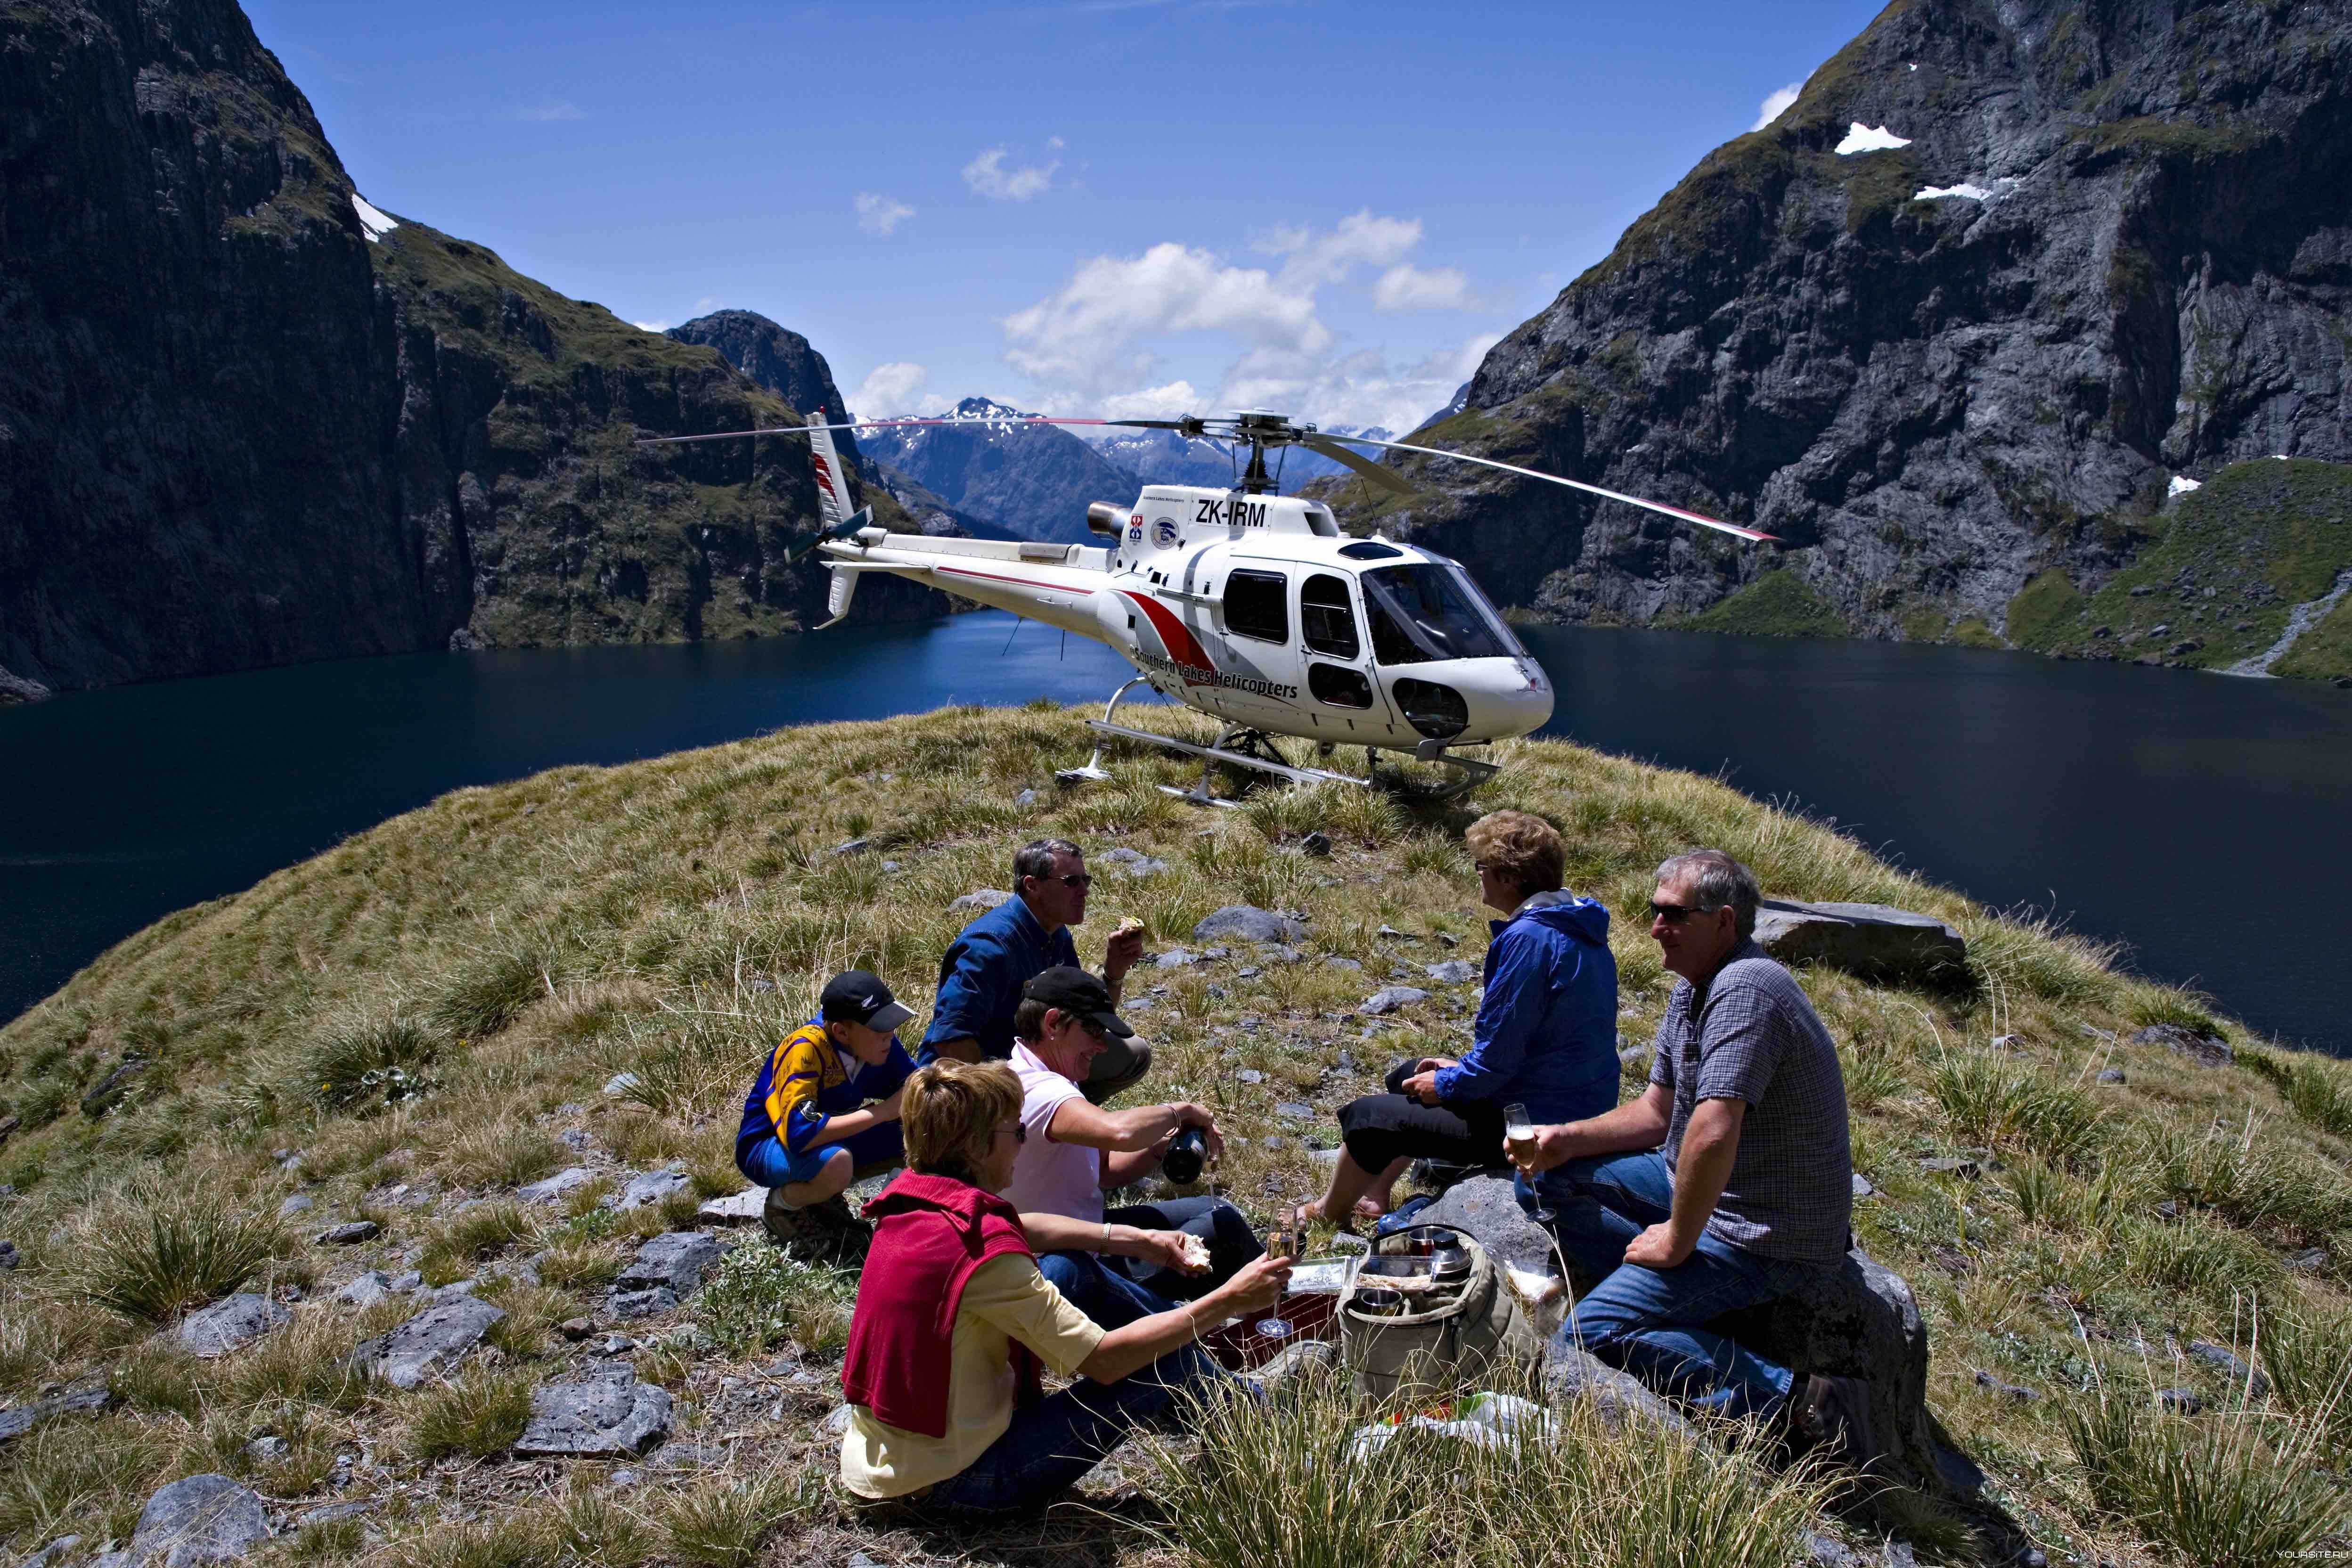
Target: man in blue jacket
{"x":981,"y":978}
{"x":1546,"y":1036}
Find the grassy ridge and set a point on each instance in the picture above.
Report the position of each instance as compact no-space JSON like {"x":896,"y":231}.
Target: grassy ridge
{"x":1777,"y":604}
{"x":440,"y":1002}
{"x":2235,"y":558}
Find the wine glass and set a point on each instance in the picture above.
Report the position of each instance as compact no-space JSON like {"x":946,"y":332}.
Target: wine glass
{"x":1519,"y":1141}
{"x":1281,"y":1242}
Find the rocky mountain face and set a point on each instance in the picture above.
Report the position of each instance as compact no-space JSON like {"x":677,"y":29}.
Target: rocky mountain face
{"x":1952,"y":323}
{"x":780,"y":360}
{"x":246,"y":419}
{"x":1034,"y":483}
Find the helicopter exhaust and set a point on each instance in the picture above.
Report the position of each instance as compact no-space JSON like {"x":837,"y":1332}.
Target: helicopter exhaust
{"x":1105,"y":520}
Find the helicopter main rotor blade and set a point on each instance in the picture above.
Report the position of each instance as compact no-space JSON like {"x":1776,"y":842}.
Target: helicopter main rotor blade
{"x":1657,"y":506}
{"x":889,"y":424}
{"x":1361,"y":464}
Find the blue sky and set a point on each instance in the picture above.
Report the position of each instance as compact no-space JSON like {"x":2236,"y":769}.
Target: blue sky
{"x":1125,"y":205}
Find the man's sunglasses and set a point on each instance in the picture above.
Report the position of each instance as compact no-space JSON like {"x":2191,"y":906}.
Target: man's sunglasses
{"x":1674,"y":914}
{"x":1075,"y":880}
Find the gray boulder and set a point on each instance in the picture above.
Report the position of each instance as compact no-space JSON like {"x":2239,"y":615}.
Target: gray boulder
{"x":231,"y":1324}
{"x":648,"y":1303}
{"x":979,"y":899}
{"x":676,"y":1262}
{"x":2227,"y":1362}
{"x":85,"y":1400}
{"x":652,"y":1188}
{"x":349,"y":1233}
{"x":609,"y":1416}
{"x":1452,"y":972}
{"x":429,"y":1344}
{"x":1389,"y":999}
{"x":1858,"y":1320}
{"x":1873,"y":941}
{"x":1488,"y":1209}
{"x":367,"y":1290}
{"x":555,"y":1187}
{"x":1246,"y":922}
{"x":204,"y":1519}
{"x":299,"y":1203}
{"x":744,"y":1208}
{"x":1571,"y":1373}
{"x":2208,"y":1050}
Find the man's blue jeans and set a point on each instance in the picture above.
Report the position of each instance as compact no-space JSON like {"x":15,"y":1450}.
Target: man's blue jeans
{"x":1648,"y":1321}
{"x":1056,"y":1441}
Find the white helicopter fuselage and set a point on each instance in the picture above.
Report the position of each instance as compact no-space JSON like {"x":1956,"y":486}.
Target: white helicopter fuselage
{"x":1256,"y":610}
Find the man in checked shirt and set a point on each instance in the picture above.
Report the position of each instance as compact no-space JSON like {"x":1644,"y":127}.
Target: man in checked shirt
{"x":1727,"y":1184}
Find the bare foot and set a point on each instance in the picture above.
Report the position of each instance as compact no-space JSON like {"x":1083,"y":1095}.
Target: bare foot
{"x":1370,"y":1207}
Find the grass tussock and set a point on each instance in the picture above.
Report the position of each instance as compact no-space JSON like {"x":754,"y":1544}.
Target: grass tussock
{"x":1544,"y":1498}
{"x":2217,"y":1492}
{"x":477,"y":1416}
{"x":724,"y":1524}
{"x":369,"y":1066}
{"x":154,"y":1248}
{"x":485,"y":991}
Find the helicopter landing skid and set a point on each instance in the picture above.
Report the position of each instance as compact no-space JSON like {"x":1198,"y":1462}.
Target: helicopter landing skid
{"x":1259,"y":756}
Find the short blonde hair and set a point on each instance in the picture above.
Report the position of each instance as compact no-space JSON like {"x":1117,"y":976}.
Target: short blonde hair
{"x":949,"y":1111}
{"x":1519,"y":845}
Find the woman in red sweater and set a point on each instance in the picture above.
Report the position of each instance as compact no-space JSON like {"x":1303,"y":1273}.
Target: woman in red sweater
{"x":953,"y":1321}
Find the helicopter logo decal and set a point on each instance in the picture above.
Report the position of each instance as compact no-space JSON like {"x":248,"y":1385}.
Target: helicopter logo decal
{"x":1163,"y":532}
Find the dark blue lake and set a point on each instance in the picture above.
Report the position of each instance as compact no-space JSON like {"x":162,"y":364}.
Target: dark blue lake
{"x":2165,"y":808}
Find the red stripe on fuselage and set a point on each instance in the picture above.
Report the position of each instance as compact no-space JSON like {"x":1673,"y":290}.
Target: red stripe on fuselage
{"x":1174,"y":635}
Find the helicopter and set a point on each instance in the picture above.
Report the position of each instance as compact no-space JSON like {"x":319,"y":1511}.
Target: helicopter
{"x":1251,"y":606}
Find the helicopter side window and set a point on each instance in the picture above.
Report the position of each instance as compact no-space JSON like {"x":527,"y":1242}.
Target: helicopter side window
{"x":1336,"y":686}
{"x":1254,"y":605}
{"x":1326,"y":617}
{"x":1424,"y":611}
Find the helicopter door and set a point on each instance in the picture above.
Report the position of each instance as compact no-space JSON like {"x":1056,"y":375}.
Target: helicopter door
{"x":1338,"y":680}
{"x":1255,"y":647}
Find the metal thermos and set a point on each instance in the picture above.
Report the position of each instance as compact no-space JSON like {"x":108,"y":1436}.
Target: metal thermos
{"x":1182,"y":1163}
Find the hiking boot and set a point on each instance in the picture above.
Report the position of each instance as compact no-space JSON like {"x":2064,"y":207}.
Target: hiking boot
{"x":821,"y":1233}
{"x":1833,"y":1416}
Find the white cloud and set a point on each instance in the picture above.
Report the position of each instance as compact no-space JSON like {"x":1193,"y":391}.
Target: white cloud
{"x":879,"y":215}
{"x":1405,"y":287}
{"x":893,"y":390}
{"x":547,"y":111}
{"x":988,"y":176}
{"x":1094,"y":344}
{"x":1776,"y":104}
{"x":652,"y":326}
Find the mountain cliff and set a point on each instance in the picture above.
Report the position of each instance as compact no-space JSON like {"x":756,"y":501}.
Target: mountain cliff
{"x":1034,"y":483}
{"x":1952,"y":323}
{"x":247,"y":419}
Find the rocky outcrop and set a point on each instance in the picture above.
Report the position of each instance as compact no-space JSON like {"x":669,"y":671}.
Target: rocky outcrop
{"x":1876,"y":942}
{"x":246,"y":418}
{"x":781,"y":361}
{"x":2099,"y":247}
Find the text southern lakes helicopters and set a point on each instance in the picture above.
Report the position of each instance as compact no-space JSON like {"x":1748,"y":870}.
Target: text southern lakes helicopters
{"x":1250,"y":607}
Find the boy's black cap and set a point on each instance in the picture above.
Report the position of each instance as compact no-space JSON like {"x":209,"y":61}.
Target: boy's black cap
{"x":1073,"y":989}
{"x":858,"y":997}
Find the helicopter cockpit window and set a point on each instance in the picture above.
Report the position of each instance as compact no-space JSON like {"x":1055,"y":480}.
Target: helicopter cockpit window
{"x":1427,"y":612}
{"x":1327,"y":618}
{"x":1254,"y":605}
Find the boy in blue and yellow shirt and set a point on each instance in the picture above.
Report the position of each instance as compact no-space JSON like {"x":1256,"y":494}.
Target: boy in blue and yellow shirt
{"x":827,"y":1100}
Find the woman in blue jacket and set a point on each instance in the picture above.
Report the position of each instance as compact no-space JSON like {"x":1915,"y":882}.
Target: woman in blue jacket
{"x":1546,"y":1036}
